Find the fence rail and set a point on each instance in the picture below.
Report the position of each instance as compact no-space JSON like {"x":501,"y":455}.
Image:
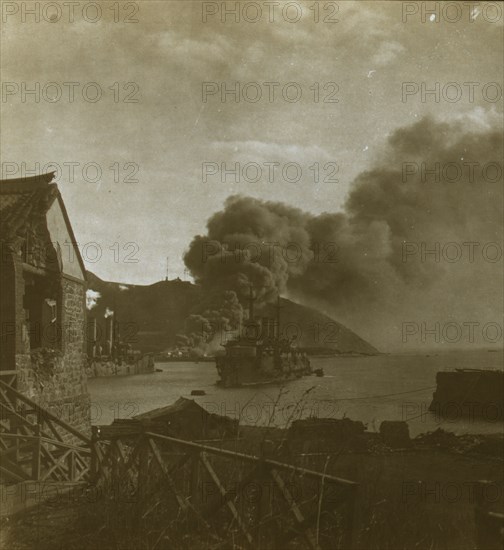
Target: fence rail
{"x":9,"y":377}
{"x":257,"y":502}
{"x":254,"y":501}
{"x":37,"y":445}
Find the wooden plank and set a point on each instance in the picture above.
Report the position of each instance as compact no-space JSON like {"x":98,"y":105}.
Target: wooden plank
{"x":48,"y":414}
{"x":213,"y":508}
{"x":11,"y":476}
{"x":179,"y":463}
{"x":101,"y":467}
{"x":15,"y":469}
{"x":4,"y":394}
{"x":21,"y":448}
{"x":133,"y":455}
{"x":53,"y":430}
{"x":230,"y":505}
{"x":36,"y":454}
{"x":71,"y":465}
{"x":157,"y":456}
{"x":307,"y":532}
{"x":142,"y":479}
{"x":57,"y":464}
{"x":194,"y":479}
{"x":62,"y":445}
{"x":127,"y":465}
{"x":251,"y":458}
{"x":95,"y":447}
{"x":23,"y":422}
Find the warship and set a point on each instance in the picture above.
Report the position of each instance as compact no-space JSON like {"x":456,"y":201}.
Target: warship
{"x":259,"y":355}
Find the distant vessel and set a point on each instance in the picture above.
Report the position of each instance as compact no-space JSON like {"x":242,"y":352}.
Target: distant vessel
{"x":469,"y":393}
{"x":177,"y":357}
{"x":260,"y":355}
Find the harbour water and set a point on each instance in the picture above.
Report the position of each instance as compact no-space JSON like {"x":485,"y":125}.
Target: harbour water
{"x":369,"y":389}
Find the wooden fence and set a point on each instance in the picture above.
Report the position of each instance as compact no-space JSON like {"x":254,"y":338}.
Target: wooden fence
{"x":34,"y":442}
{"x":255,"y":502}
{"x":175,"y":484}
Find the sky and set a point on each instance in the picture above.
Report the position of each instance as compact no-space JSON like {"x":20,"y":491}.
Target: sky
{"x":152,"y":130}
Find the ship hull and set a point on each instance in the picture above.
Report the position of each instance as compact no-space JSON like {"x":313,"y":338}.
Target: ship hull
{"x":258,"y":382}
{"x":245,"y":373}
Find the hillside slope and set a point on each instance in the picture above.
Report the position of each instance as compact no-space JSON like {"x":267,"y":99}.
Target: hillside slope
{"x":151,"y":316}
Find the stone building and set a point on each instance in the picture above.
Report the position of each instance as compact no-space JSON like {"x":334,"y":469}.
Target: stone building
{"x":42,"y":304}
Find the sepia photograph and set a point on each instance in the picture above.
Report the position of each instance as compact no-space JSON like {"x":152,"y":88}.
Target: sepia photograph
{"x":251,"y":275}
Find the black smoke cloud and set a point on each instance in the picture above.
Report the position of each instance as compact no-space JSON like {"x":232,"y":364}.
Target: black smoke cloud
{"x":220,"y":311}
{"x":351,"y":264}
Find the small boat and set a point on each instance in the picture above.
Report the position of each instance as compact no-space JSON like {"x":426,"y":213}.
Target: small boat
{"x":198,"y":392}
{"x":319,"y":372}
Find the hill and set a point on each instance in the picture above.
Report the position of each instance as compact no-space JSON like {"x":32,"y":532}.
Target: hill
{"x":151,"y":316}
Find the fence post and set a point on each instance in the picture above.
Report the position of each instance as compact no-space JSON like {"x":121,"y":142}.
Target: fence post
{"x":194,"y":499}
{"x":71,"y":466}
{"x":142,"y":480}
{"x":195,"y":459}
{"x":36,"y":453}
{"x":93,"y":474}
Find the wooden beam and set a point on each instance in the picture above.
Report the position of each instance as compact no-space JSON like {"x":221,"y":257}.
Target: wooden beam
{"x":36,"y":454}
{"x":58,"y":464}
{"x":159,"y":459}
{"x":307,"y":532}
{"x":37,"y":270}
{"x":212,"y":508}
{"x":230,"y":505}
{"x":268,"y":463}
{"x":13,"y":476}
{"x":47,"y":414}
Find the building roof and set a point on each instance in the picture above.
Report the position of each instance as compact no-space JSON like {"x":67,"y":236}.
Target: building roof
{"x":181,"y":405}
{"x":24,"y":199}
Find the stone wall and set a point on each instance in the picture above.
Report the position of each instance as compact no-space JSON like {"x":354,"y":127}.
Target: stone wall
{"x":107,"y":367}
{"x":54,"y":374}
{"x":56,"y":378}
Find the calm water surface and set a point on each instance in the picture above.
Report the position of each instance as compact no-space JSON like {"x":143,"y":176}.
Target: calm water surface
{"x":370,"y":389}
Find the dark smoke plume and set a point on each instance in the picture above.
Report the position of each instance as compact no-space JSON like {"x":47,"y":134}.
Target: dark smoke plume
{"x":220,"y":311}
{"x":352,"y":264}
